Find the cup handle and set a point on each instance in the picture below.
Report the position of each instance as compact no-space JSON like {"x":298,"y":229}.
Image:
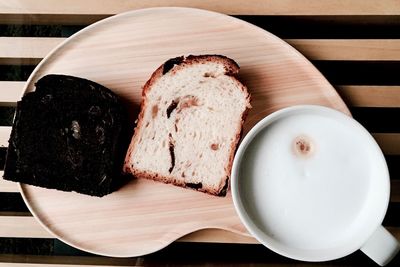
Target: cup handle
{"x":381,"y":247}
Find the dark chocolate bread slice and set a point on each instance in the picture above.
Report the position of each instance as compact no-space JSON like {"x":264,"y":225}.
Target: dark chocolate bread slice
{"x":69,"y":135}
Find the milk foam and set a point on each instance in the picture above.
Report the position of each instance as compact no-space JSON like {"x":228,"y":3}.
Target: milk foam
{"x":311,"y":202}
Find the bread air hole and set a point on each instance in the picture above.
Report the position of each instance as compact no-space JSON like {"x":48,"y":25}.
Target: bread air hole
{"x":172,"y":107}
{"x":194,"y":185}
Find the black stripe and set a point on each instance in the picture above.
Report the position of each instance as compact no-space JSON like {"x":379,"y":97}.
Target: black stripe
{"x":179,"y":253}
{"x":393,"y":162}
{"x":283,"y":26}
{"x":360,"y":72}
{"x":337,"y":72}
{"x":323,"y":27}
{"x":37,"y":246}
{"x":3,"y":153}
{"x":6,"y":115}
{"x":378,"y":120}
{"x":17,"y":30}
{"x":15,"y":72}
{"x":176,"y":253}
{"x":12,"y":202}
{"x":393,"y":215}
{"x":233,"y":254}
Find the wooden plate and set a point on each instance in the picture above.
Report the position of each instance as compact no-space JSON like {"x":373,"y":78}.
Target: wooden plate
{"x":121,"y":52}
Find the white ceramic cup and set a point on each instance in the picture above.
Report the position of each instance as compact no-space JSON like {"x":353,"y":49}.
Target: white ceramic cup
{"x":310,"y":183}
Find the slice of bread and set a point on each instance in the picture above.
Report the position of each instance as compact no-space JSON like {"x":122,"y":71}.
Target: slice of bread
{"x":69,"y":134}
{"x":190,"y":123}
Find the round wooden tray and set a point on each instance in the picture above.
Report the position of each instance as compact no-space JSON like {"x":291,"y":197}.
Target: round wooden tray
{"x":121,"y":52}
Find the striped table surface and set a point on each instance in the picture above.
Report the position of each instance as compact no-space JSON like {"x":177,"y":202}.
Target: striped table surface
{"x":354,"y":43}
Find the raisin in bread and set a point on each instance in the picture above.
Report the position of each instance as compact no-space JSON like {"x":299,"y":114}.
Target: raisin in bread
{"x":68,"y":135}
{"x":190,"y":122}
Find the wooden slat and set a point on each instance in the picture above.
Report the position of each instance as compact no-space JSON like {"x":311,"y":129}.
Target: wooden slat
{"x":25,"y":50}
{"x":7,"y":186}
{"x":27,"y":47}
{"x":370,"y":96}
{"x":5,"y":132}
{"x":10,"y":93}
{"x":29,"y":50}
{"x":22,"y":226}
{"x":353,"y":49}
{"x":254,"y":7}
{"x":389,"y":142}
{"x":20,"y":260}
{"x":28,"y":227}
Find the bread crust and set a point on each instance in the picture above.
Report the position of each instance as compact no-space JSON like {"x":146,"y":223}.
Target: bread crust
{"x":174,"y":64}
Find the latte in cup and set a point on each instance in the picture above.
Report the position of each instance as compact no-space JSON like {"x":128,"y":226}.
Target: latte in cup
{"x":310,"y":183}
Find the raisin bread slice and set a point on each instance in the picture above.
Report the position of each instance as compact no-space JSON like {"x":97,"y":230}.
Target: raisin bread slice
{"x":190,"y":122}
{"x":69,"y":134}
